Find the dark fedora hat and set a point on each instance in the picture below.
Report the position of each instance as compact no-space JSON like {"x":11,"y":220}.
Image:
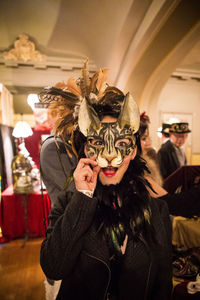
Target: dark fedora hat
{"x":165,"y":128}
{"x":179,"y":128}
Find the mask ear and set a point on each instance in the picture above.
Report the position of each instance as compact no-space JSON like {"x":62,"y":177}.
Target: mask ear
{"x":130,"y":114}
{"x":86,"y":117}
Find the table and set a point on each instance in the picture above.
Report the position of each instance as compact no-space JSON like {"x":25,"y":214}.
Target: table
{"x":186,"y":232}
{"x":13,"y":219}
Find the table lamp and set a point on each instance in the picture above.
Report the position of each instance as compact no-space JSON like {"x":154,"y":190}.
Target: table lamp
{"x":21,"y":163}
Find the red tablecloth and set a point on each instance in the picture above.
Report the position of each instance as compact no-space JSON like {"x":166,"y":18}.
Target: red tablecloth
{"x":12,"y":213}
{"x":180,"y":292}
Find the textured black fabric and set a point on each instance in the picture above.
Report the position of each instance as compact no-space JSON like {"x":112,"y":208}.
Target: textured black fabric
{"x":185,"y":203}
{"x":167,"y":158}
{"x":75,"y":253}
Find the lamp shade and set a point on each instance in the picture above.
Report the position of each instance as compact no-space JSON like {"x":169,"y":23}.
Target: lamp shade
{"x":22,"y":130}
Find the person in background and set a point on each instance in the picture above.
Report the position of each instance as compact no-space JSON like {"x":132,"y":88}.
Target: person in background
{"x":185,"y":203}
{"x":108,"y":239}
{"x":57,"y":160}
{"x":148,"y":152}
{"x":171,"y":155}
{"x":165,"y":132}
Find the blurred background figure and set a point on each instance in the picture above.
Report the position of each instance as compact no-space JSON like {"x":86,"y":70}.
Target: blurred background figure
{"x":184,"y":203}
{"x":57,"y":160}
{"x":165,"y":132}
{"x":148,"y":152}
{"x":171,"y":155}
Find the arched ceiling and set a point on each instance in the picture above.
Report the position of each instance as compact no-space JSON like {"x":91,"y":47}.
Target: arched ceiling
{"x":130,"y":37}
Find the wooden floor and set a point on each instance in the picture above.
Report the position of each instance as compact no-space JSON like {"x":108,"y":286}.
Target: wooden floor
{"x":21,"y":277}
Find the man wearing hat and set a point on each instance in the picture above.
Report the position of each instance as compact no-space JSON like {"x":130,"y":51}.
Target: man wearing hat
{"x":165,"y":132}
{"x":171,"y":155}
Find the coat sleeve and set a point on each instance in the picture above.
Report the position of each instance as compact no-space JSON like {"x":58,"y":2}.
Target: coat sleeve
{"x":163,"y":163}
{"x":163,"y":281}
{"x":69,"y":221}
{"x":52,"y":171}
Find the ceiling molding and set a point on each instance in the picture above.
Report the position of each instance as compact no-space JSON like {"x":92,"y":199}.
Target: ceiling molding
{"x":187,"y":74}
{"x":50,"y":62}
{"x":19,"y":76}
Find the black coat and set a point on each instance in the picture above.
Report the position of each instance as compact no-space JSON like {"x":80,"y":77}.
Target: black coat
{"x":74,"y":253}
{"x":56,"y":166}
{"x":168,"y":160}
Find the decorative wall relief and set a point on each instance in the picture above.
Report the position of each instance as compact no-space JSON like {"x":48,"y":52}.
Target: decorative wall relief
{"x":24,"y":50}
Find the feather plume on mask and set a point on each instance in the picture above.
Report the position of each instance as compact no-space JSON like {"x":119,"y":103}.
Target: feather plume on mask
{"x":73,"y":87}
{"x":101,"y":84}
{"x":85,"y":80}
{"x":66,"y":97}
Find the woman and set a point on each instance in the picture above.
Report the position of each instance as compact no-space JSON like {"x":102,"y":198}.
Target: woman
{"x":186,"y":203}
{"x":108,"y":239}
{"x":148,"y":153}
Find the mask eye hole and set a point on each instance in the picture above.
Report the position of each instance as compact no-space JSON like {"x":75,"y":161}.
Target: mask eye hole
{"x":98,"y":143}
{"x":121,"y":143}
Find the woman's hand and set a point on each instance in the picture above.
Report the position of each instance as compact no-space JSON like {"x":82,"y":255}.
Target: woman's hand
{"x":85,"y":174}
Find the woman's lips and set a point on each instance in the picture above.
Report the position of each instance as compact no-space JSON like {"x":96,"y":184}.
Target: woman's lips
{"x":109,"y":171}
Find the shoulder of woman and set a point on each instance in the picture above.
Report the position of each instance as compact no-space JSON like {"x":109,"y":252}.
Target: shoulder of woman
{"x":161,"y":218}
{"x":160,"y":205}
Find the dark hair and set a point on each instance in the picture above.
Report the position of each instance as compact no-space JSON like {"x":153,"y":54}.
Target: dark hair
{"x":78,"y":142}
{"x":144,"y":125}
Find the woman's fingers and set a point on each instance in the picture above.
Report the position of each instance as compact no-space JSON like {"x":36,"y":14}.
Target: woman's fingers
{"x":96,"y":170}
{"x":85,"y":175}
{"x":86,"y":161}
{"x":83,"y":172}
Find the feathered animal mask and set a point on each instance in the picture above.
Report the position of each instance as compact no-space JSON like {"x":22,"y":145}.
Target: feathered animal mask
{"x":84,"y":101}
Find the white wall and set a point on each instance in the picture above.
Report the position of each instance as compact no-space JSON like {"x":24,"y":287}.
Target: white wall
{"x":183,"y":98}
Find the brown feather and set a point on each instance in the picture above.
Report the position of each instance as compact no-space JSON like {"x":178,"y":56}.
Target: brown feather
{"x":112,"y":95}
{"x":73,"y":87}
{"x":93,"y":82}
{"x":61,"y":85}
{"x":114,"y":90}
{"x":101,"y":82}
{"x":85,"y":80}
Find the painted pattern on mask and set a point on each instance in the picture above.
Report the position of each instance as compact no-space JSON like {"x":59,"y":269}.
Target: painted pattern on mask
{"x":108,"y":144}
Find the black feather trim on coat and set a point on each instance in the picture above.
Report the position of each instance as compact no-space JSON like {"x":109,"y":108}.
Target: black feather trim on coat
{"x":124,"y":208}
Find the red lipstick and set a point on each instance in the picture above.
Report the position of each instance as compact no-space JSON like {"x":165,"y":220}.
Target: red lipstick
{"x":109,"y":171}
